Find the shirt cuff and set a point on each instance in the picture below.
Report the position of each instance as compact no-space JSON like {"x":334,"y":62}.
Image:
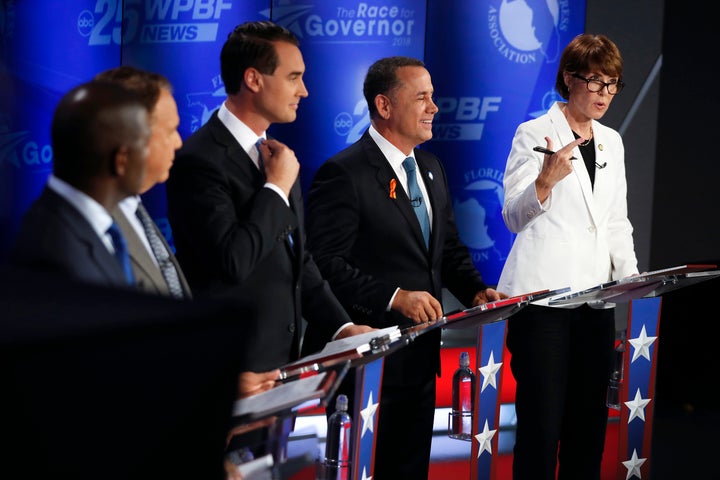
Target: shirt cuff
{"x":279,"y":191}
{"x":340,"y":329}
{"x":389,"y":305}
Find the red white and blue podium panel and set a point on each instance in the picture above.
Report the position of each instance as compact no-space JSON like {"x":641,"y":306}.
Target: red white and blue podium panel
{"x":490,"y":345}
{"x":367,"y":402}
{"x":638,"y":390}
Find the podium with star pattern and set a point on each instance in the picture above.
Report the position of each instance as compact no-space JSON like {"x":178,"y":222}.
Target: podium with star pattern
{"x":368,"y":381}
{"x":368,"y":373}
{"x":637,"y":387}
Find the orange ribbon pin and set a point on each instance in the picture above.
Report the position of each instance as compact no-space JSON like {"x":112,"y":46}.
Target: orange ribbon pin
{"x":393,"y":185}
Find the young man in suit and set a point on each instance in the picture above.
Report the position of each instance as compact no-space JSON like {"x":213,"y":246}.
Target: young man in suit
{"x":370,"y":246}
{"x":154,"y":265}
{"x":236,"y":209}
{"x":99,"y":137}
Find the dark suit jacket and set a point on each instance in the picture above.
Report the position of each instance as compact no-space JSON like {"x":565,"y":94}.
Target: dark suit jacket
{"x":148,"y":276}
{"x":231,"y":238}
{"x":368,"y":244}
{"x":55,"y":237}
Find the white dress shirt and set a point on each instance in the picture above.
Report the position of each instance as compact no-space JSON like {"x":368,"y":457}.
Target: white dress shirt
{"x":247,"y":139}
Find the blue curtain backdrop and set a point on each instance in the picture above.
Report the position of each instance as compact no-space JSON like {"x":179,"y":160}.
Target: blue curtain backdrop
{"x":493,"y":64}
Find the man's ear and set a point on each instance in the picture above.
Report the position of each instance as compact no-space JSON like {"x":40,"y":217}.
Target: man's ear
{"x":253,"y":79}
{"x":118,"y":165}
{"x":383,"y":105}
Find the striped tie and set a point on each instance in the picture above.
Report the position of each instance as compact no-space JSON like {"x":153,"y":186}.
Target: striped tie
{"x":167,"y":267}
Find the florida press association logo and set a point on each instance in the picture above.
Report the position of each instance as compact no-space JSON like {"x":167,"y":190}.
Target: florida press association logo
{"x":362,"y":22}
{"x":478,"y":215}
{"x":526,"y":32}
{"x":115,"y":22}
{"x":200,"y":105}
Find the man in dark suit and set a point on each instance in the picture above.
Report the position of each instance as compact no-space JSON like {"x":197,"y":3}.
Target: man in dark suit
{"x":154,"y":265}
{"x":236,"y":209}
{"x":369,"y":245}
{"x":99,"y":137}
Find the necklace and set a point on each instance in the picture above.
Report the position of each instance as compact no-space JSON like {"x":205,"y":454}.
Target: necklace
{"x":587,"y":140}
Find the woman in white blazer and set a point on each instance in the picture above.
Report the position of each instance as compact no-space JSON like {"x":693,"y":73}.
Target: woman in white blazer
{"x":569,"y":211}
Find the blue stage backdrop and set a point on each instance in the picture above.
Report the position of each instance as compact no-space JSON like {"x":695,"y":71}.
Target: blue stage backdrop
{"x":339,"y":41}
{"x":493,"y":64}
{"x":47,"y":48}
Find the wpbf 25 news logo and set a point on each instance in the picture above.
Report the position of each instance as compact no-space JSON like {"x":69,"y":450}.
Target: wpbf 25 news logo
{"x":463,"y":117}
{"x":151,"y":21}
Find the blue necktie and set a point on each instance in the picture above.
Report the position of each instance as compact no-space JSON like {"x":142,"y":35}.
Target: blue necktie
{"x":121,"y":252}
{"x":416,"y":199}
{"x":167,"y":267}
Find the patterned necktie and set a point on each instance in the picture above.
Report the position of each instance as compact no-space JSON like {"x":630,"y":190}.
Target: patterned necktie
{"x":261,"y":163}
{"x":121,"y":251}
{"x":167,"y":267}
{"x":416,"y":199}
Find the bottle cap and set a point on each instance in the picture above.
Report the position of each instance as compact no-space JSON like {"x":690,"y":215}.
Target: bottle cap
{"x":341,"y":403}
{"x":464,"y":359}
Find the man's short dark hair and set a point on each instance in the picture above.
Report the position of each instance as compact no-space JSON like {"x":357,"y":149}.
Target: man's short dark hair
{"x":251,"y":45}
{"x":146,"y":85}
{"x":382,"y":78}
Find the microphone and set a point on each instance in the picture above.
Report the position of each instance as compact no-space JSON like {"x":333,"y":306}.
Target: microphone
{"x":600,"y":166}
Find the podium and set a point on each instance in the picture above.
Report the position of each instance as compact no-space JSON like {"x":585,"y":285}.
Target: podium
{"x":369,"y":372}
{"x":274,"y":411}
{"x":366,"y":354}
{"x":639,"y":364}
{"x":312,"y":381}
{"x":486,"y":404}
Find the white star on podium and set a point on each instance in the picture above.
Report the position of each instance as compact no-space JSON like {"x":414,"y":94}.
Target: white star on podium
{"x":484,"y":439}
{"x":368,"y":415}
{"x":633,"y":466}
{"x":489,"y":372}
{"x":364,"y":475}
{"x":637,"y":407}
{"x":641,"y":344}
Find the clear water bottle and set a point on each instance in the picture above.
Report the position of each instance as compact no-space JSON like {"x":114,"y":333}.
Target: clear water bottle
{"x":463,"y":392}
{"x":337,"y":464}
{"x":615,"y":384}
